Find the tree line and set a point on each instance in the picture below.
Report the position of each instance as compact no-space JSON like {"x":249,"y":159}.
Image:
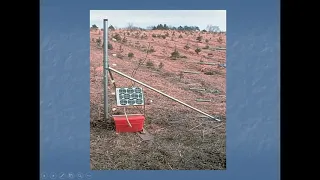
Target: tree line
{"x":209,"y":28}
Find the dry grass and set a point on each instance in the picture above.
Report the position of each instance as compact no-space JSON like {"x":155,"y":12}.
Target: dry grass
{"x":182,"y":140}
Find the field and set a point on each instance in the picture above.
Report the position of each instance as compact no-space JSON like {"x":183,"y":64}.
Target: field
{"x":183,"y":138}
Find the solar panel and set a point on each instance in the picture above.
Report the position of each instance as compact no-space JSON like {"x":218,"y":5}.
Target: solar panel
{"x":129,"y":96}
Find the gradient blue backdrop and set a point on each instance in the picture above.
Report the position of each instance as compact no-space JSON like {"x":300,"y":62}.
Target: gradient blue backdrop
{"x":253,"y":78}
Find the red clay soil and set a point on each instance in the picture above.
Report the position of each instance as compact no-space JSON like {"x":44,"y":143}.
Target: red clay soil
{"x":182,"y":139}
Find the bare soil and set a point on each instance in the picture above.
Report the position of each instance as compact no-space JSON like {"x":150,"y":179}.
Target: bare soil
{"x":183,"y":140}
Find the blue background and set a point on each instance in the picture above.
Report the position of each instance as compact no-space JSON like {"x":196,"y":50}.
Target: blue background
{"x":253,"y":83}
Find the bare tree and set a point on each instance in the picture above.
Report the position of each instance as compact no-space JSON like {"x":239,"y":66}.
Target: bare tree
{"x":211,"y":28}
{"x":130,"y":26}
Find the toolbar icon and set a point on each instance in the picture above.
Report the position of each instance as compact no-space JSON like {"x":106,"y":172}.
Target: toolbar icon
{"x":43,"y":176}
{"x":70,"y":175}
{"x":53,"y":175}
{"x":80,"y":175}
{"x":62,"y":175}
{"x":88,"y":176}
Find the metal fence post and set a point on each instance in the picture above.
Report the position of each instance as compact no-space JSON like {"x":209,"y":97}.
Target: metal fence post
{"x":105,"y":67}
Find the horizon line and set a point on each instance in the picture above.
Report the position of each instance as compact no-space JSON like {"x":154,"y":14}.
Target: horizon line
{"x":147,"y":27}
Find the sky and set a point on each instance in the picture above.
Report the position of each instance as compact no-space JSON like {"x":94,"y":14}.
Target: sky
{"x":146,"y":18}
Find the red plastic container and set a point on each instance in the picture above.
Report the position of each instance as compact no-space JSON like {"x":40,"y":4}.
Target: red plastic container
{"x":136,"y":121}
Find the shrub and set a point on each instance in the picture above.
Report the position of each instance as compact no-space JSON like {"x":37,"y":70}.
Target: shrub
{"x":110,"y":46}
{"x":206,"y":47}
{"x":130,"y":55}
{"x":124,"y":40}
{"x":160,"y":66}
{"x":149,"y":63}
{"x":181,"y":75}
{"x":120,"y":56}
{"x":117,"y":37}
{"x":175,"y":54}
{"x":98,"y":41}
{"x":197,"y":50}
{"x":210,"y":73}
{"x":199,"y":38}
{"x":151,"y":50}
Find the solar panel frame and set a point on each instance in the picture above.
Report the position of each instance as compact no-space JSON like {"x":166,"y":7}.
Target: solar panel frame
{"x":129,"y":96}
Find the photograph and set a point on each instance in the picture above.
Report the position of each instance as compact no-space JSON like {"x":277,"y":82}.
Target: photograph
{"x":158,"y":89}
